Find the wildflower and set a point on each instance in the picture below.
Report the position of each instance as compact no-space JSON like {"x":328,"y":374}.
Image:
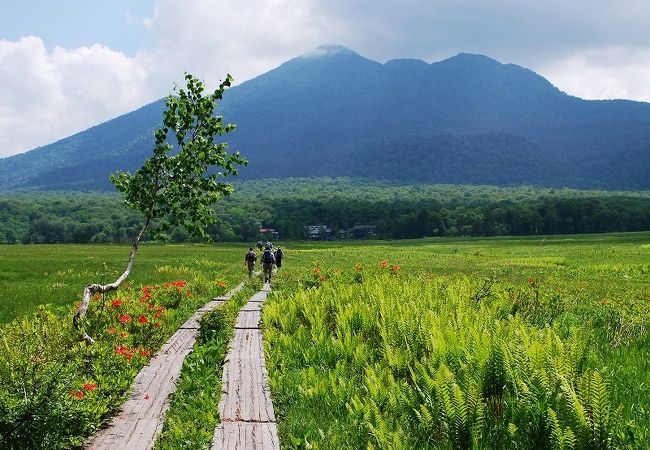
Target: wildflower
{"x":111,"y":330}
{"x":358,"y":267}
{"x":531,"y":281}
{"x":157,"y":324}
{"x":180,"y":283}
{"x":97,"y":296}
{"x":90,"y":387}
{"x":316,"y":270}
{"x":121,"y":349}
{"x":157,"y":314}
{"x":384,"y":264}
{"x":77,"y":394}
{"x":395,"y":268}
{"x":143,"y":319}
{"x":125,"y":318}
{"x":188,"y":294}
{"x":116,"y":303}
{"x":127,"y":285}
{"x":124,"y":335}
{"x":151,"y":306}
{"x":221,"y":283}
{"x":323,"y":278}
{"x":145,"y":353}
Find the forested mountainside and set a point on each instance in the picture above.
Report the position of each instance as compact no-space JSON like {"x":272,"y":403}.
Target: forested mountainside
{"x":332,"y":112}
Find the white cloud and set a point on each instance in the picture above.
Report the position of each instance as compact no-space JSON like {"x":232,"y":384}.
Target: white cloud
{"x":607,"y":73}
{"x":46,"y":96}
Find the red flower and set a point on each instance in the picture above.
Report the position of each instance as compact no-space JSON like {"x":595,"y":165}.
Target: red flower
{"x":121,"y":350}
{"x":124,"y":335}
{"x":90,"y":387}
{"x":180,"y":283}
{"x":145,"y":353}
{"x":395,"y":268}
{"x":316,"y":270}
{"x":146,"y":396}
{"x":143,"y":319}
{"x":323,"y":278}
{"x":157,"y":324}
{"x":384,"y":264}
{"x":157,"y":314}
{"x":116,"y":303}
{"x":125,"y":318}
{"x":77,"y":394}
{"x":221,"y":283}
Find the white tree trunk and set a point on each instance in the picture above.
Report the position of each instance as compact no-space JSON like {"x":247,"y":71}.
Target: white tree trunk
{"x":92,"y":289}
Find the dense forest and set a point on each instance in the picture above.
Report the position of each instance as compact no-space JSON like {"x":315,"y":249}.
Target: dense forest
{"x":398,"y":211}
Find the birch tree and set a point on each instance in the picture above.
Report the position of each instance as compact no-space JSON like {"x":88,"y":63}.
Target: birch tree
{"x":183,"y":178}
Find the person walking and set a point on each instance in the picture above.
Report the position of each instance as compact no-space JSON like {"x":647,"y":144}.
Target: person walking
{"x":268,"y":259}
{"x":250,"y":259}
{"x":279,"y":254}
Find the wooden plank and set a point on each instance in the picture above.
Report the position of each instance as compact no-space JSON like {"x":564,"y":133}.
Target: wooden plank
{"x":142,"y":415}
{"x":243,"y":435}
{"x":246,"y":409}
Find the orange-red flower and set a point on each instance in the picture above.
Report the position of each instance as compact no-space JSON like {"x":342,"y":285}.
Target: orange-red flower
{"x":143,"y":319}
{"x":125,"y":318}
{"x":77,"y":394}
{"x":145,"y":353}
{"x":358,"y":267}
{"x":116,"y":303}
{"x":316,"y":270}
{"x":90,"y":387}
{"x":180,"y":283}
{"x":384,"y":264}
{"x":395,"y":268}
{"x":221,"y":283}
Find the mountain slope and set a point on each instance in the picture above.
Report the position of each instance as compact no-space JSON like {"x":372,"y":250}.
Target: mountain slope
{"x":467,"y":119}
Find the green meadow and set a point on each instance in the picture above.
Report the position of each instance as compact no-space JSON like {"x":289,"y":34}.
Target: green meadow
{"x":534,"y":342}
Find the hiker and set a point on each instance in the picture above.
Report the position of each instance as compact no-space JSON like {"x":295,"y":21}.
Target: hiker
{"x":268,"y":259}
{"x":279,"y":254}
{"x":250,"y":259}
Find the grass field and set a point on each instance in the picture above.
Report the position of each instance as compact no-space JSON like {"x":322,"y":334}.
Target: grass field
{"x":37,"y":274}
{"x":435,"y":343}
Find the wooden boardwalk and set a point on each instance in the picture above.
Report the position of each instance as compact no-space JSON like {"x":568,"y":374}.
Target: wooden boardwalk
{"x":141,"y":419}
{"x":246,"y":410}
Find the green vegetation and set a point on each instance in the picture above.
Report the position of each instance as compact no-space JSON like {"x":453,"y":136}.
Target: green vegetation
{"x":54,"y":390}
{"x":499,"y":343}
{"x":531,"y":342}
{"x":398,"y":211}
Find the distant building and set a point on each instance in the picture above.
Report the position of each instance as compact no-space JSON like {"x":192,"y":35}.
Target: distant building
{"x":270,"y":233}
{"x":318,"y":233}
{"x":363,"y":232}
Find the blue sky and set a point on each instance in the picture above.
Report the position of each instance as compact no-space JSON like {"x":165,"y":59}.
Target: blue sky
{"x":75,"y":23}
{"x":66,"y":65}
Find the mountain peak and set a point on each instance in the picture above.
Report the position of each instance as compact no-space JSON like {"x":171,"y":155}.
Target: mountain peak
{"x":471,"y":59}
{"x":329,"y":50}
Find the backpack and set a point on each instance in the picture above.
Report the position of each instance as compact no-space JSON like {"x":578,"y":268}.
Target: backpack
{"x":267,"y":257}
{"x":251,"y":256}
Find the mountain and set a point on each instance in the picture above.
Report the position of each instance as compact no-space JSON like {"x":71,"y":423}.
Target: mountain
{"x":468,"y":120}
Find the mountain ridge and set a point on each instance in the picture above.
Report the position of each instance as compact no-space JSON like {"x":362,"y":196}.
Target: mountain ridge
{"x":465,"y":119}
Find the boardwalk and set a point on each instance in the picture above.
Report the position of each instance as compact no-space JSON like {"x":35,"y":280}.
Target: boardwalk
{"x":247,"y":417}
{"x":141,"y":419}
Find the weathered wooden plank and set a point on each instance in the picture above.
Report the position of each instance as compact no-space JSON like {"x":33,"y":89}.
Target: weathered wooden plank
{"x":249,"y":319}
{"x":142,"y":415}
{"x":246,"y":410}
{"x":245,"y":435}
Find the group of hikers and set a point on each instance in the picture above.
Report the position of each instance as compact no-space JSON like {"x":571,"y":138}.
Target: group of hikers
{"x":270,"y":258}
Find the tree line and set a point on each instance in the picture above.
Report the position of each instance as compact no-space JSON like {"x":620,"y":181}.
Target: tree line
{"x":398,"y":212}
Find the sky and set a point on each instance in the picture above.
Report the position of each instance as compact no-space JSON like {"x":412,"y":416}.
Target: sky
{"x":67,"y":65}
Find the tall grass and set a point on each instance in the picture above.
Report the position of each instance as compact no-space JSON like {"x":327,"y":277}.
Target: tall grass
{"x":427,"y":363}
